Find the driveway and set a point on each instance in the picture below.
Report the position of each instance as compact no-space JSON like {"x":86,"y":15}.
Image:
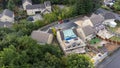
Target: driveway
{"x":112,"y":61}
{"x":66,"y":25}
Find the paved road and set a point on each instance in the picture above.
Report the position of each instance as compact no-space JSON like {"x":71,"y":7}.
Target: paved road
{"x":111,"y":62}
{"x":63,"y":25}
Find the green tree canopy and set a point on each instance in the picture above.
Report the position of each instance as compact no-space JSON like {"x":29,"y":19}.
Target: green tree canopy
{"x":79,"y":61}
{"x":11,"y":5}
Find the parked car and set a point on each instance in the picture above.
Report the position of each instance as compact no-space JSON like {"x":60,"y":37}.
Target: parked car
{"x":65,"y":21}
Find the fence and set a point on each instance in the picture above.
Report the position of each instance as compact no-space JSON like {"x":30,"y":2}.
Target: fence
{"x":109,"y":40}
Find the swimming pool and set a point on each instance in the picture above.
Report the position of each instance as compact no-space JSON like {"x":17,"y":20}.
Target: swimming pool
{"x":69,"y":34}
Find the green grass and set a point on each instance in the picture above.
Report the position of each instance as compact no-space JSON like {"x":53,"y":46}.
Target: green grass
{"x":114,"y":38}
{"x":112,"y":29}
{"x":95,"y":40}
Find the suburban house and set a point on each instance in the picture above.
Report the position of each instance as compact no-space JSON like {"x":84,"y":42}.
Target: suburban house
{"x":87,"y":32}
{"x":33,"y":9}
{"x":70,"y":42}
{"x":109,"y":2}
{"x":25,"y":3}
{"x":6,"y":18}
{"x":110,"y":19}
{"x":42,"y":37}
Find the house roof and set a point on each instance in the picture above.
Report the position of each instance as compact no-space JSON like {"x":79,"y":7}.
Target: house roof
{"x":23,"y":1}
{"x":36,"y":6}
{"x":8,"y":12}
{"x":40,"y":36}
{"x":96,"y":19}
{"x":109,"y":15}
{"x":88,"y":30}
{"x":8,"y":24}
{"x":45,"y":11}
{"x":47,"y":3}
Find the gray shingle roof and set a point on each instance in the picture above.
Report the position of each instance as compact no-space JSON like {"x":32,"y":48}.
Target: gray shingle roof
{"x":47,"y":3}
{"x":40,"y":36}
{"x":23,"y":1}
{"x":8,"y":24}
{"x":88,"y":30}
{"x":96,"y":19}
{"x":109,"y":16}
{"x":36,"y":6}
{"x":8,"y":12}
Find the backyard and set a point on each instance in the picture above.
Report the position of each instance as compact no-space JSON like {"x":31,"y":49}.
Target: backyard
{"x":94,"y":40}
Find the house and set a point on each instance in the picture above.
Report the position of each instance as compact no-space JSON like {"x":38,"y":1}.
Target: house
{"x":110,"y":19}
{"x":109,"y":2}
{"x":33,"y":9}
{"x":5,"y":24}
{"x":7,"y":16}
{"x":87,"y":32}
{"x":70,"y":42}
{"x":42,"y":37}
{"x":25,"y":3}
{"x":110,"y":22}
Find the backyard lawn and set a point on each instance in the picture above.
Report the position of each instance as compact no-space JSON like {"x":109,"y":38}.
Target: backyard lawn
{"x":95,"y":40}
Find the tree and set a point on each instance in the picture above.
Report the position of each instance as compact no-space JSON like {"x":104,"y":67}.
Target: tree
{"x":79,"y":7}
{"x":11,"y":5}
{"x":117,"y":5}
{"x":89,"y":6}
{"x":79,"y":61}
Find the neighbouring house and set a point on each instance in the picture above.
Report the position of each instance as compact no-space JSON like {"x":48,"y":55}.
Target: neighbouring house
{"x":110,"y":19}
{"x":25,"y":3}
{"x":5,"y":24}
{"x":70,"y":42}
{"x":6,"y":18}
{"x":42,"y":37}
{"x":110,"y":23}
{"x":109,"y":2}
{"x":87,"y":32}
{"x":33,"y":9}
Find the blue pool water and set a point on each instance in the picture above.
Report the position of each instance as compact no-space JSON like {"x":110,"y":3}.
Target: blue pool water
{"x":69,"y":34}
